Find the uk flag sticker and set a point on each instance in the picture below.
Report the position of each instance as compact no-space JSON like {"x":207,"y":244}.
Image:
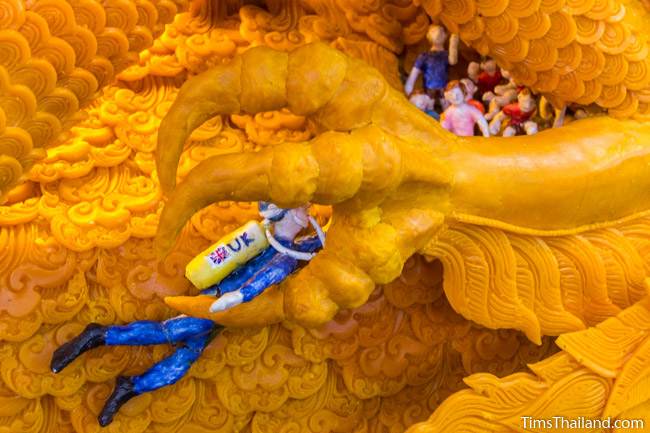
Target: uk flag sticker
{"x":218,"y":256}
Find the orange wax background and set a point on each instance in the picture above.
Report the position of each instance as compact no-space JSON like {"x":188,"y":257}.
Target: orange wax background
{"x":83,"y":87}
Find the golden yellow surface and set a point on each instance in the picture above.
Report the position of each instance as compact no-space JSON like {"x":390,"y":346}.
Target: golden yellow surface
{"x":55,"y":57}
{"x":585,"y":51}
{"x":497,"y":218}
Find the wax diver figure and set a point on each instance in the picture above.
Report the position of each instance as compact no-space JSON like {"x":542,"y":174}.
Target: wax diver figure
{"x":237,"y":268}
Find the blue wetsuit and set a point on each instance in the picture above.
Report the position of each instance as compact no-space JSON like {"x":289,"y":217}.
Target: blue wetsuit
{"x":193,"y":334}
{"x":433,"y":65}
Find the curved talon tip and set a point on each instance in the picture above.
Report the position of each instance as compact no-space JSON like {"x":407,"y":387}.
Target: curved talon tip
{"x":216,"y":307}
{"x":266,"y":309}
{"x":167,"y":185}
{"x":161,"y":253}
{"x":162,"y":247}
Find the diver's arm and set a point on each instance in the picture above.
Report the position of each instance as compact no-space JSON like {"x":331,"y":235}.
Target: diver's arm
{"x":274,"y":272}
{"x":239,"y":276}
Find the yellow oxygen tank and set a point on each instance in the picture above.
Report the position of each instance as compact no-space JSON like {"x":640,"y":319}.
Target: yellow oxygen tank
{"x":226,"y":255}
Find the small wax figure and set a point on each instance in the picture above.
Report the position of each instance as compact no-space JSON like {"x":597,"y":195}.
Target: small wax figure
{"x":470,"y":91}
{"x":572,"y":112}
{"x":518,"y":116}
{"x":264,"y":259}
{"x":434,"y":63}
{"x":473,"y":71}
{"x":489,"y":78}
{"x":548,"y":115}
{"x":502,"y":95}
{"x":461,"y":117}
{"x":424,"y":103}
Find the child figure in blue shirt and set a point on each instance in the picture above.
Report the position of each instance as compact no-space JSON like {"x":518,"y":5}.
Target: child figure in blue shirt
{"x":434,"y":64}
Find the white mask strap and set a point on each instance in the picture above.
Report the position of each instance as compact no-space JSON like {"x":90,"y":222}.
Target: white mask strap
{"x":298,"y":255}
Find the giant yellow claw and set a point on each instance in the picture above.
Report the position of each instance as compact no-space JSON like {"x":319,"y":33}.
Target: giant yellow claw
{"x":547,"y":234}
{"x":398,"y":183}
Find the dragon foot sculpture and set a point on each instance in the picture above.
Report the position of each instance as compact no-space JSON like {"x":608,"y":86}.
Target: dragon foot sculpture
{"x":399,"y":185}
{"x":526,"y":238}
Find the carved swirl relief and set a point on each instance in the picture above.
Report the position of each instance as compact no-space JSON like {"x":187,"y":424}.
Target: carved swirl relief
{"x":83,"y":87}
{"x":55,"y":56}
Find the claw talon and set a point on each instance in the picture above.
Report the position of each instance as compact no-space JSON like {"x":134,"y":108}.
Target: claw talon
{"x":358,"y":169}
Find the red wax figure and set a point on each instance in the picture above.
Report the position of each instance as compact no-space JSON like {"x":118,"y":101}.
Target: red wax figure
{"x":502,"y":95}
{"x":490,"y":77}
{"x":518,"y":116}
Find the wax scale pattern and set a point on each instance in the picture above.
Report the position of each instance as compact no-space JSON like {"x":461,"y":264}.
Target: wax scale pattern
{"x":76,"y":236}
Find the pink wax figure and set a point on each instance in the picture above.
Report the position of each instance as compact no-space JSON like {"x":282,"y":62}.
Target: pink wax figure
{"x":460,"y":117}
{"x":470,"y":91}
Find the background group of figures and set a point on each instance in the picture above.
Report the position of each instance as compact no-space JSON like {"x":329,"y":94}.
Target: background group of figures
{"x":485,"y":98}
{"x":84,"y":85}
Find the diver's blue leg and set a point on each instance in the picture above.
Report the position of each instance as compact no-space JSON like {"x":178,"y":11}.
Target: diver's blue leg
{"x":165,"y":372}
{"x":139,"y":333}
{"x":173,"y":368}
{"x":184,"y":328}
{"x":146,"y":332}
{"x":276,"y":270}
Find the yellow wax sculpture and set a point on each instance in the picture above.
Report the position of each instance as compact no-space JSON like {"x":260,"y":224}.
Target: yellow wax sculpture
{"x":466,"y":282}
